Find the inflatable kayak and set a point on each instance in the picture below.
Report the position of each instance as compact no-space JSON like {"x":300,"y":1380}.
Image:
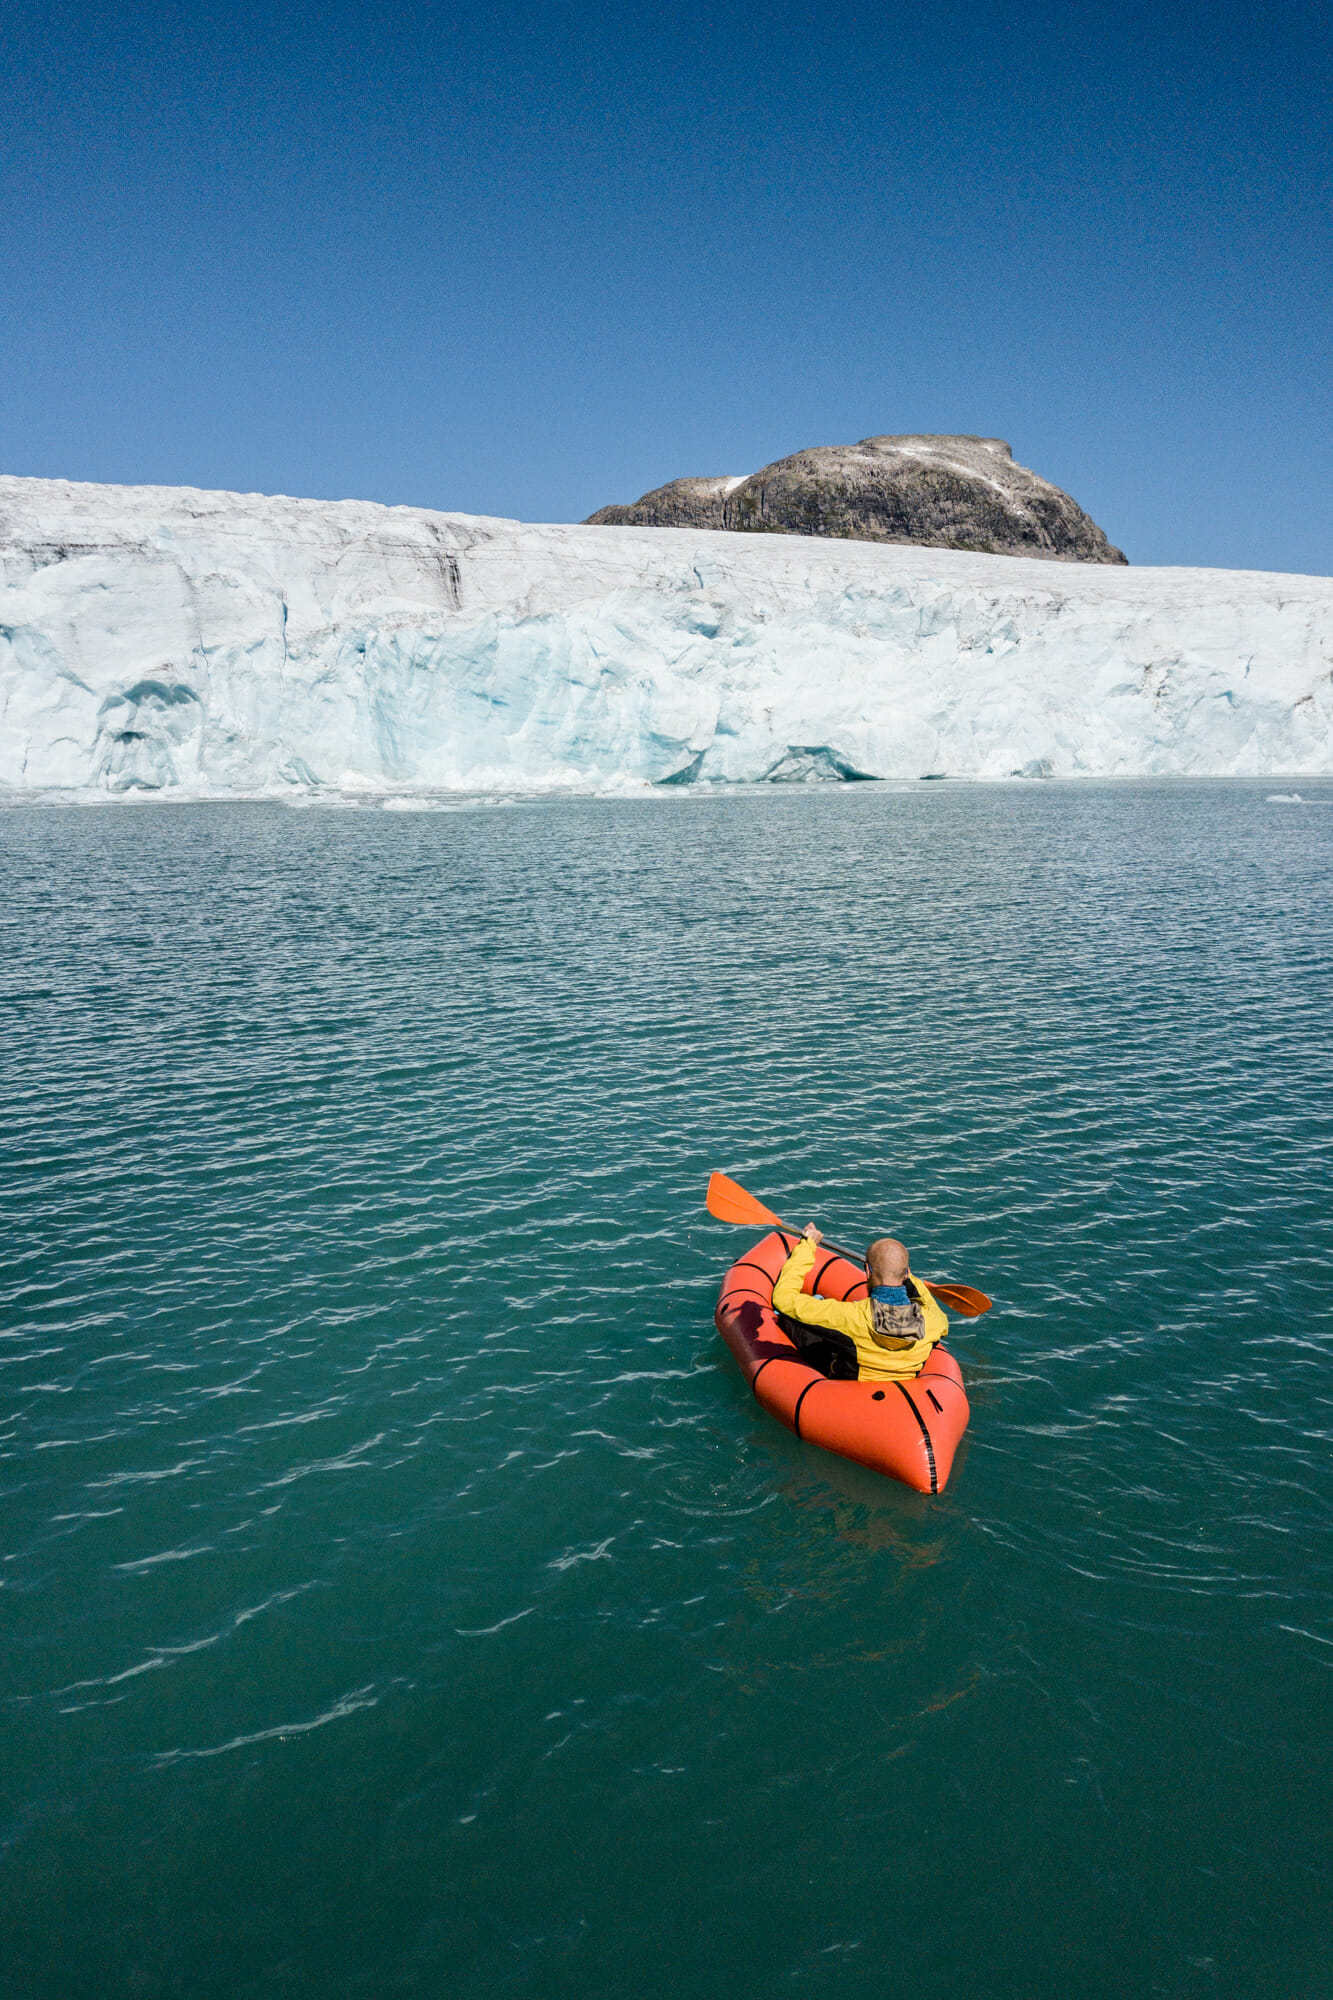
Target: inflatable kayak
{"x":909,"y":1430}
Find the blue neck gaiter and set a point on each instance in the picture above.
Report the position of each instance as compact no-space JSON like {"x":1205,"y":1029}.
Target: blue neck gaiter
{"x":889,"y":1295}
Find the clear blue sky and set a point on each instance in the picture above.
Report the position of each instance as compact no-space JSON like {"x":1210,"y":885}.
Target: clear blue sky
{"x":526,"y":259}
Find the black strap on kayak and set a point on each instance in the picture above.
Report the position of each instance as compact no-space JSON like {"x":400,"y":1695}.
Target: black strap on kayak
{"x":827,"y":1265}
{"x":796,"y":1413}
{"x":930,"y":1449}
{"x":748,"y":1264}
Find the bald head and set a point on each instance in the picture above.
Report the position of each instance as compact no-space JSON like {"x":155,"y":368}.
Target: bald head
{"x":886,"y":1261}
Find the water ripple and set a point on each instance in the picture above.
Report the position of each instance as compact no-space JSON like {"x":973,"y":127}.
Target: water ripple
{"x":357,"y":1367}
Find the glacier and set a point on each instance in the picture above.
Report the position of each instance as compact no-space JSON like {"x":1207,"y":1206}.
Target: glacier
{"x":166,"y":641}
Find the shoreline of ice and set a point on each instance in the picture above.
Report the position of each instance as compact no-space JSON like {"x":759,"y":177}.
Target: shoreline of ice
{"x":453,"y":802}
{"x":174,"y":644}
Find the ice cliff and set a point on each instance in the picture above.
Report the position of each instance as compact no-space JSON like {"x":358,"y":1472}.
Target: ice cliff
{"x":216,"y":643}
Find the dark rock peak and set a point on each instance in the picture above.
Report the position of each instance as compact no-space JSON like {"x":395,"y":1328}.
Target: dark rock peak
{"x":936,"y":492}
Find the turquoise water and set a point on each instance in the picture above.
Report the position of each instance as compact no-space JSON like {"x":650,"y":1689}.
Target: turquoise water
{"x":402,"y":1595}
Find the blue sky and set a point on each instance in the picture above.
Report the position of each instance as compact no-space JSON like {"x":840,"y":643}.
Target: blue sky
{"x":529,"y":259}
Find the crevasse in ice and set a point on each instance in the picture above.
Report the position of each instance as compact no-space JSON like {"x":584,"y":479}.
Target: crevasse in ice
{"x":163,"y":639}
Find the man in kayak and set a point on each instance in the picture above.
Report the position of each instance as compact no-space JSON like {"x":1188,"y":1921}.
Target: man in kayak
{"x":892,"y":1331}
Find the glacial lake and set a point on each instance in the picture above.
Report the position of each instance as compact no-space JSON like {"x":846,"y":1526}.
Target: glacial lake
{"x":402,"y":1593}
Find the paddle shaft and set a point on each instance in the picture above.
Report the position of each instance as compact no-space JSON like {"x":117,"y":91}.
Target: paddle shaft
{"x":824,"y":1244}
{"x":730,"y":1202}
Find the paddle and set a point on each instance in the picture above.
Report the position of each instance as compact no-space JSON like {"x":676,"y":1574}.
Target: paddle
{"x":730,"y":1202}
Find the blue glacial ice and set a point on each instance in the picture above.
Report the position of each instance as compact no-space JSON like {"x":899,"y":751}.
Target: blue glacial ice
{"x":174,"y":642}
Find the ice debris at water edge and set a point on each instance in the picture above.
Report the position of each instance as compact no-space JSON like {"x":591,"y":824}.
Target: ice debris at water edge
{"x":157,"y":639}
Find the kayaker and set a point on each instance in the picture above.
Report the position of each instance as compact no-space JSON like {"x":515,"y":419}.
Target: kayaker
{"x":892,"y":1331}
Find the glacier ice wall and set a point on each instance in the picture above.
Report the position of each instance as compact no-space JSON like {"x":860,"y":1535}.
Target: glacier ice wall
{"x":163,"y":639}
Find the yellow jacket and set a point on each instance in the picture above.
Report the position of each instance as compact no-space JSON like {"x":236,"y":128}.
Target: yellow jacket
{"x":875,"y":1363}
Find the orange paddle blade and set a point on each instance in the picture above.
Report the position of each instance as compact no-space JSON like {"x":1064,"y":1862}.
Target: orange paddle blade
{"x":965,"y":1300}
{"x":729,"y":1202}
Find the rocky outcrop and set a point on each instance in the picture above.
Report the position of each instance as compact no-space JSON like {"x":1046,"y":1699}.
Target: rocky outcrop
{"x":937,"y":492}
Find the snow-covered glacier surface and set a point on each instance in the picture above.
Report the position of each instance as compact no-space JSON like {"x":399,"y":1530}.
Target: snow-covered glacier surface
{"x":163,"y":639}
